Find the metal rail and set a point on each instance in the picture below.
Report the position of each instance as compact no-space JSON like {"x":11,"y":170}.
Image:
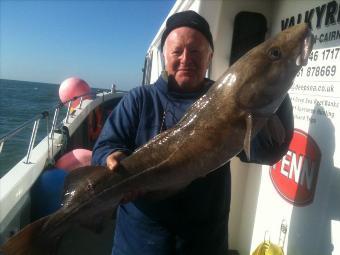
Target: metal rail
{"x":45,"y":115}
{"x":32,"y":141}
{"x":10,"y":134}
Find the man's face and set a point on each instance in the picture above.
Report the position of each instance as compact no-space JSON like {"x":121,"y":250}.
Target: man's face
{"x":187,"y":56}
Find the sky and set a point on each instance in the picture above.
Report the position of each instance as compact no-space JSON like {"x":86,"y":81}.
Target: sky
{"x":100,"y":41}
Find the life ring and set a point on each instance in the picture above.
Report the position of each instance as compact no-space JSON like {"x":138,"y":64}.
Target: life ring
{"x":95,"y":123}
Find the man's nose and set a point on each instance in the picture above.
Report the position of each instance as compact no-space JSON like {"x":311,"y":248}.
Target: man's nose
{"x":186,"y":56}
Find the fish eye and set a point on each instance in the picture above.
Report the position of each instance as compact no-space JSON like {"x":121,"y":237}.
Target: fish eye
{"x":274,"y":53}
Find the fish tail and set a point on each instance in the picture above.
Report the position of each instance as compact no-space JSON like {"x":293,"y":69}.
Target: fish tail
{"x":25,"y":241}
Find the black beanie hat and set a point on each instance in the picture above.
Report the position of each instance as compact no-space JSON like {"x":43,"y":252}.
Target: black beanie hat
{"x":187,"y":19}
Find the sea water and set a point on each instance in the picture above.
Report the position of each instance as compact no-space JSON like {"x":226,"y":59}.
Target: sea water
{"x":19,"y":102}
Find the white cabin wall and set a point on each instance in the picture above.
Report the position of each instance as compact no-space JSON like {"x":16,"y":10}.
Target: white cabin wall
{"x":156,"y":64}
{"x":245,"y":189}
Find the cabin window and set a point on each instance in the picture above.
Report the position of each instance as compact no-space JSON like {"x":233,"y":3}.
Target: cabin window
{"x":249,"y":30}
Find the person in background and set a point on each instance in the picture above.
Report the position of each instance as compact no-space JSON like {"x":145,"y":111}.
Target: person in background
{"x":195,"y":220}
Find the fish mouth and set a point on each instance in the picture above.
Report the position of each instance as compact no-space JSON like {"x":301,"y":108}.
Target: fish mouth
{"x":306,"y":49}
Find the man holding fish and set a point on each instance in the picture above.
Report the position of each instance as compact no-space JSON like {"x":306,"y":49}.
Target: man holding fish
{"x":194,"y":219}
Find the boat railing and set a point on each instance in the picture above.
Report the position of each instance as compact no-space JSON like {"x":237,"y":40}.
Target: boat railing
{"x":36,"y":120}
{"x":45,"y":115}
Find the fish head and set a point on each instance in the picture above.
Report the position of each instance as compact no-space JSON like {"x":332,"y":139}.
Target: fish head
{"x":267,"y":71}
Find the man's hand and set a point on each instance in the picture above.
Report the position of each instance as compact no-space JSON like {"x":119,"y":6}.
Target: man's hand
{"x":112,"y":161}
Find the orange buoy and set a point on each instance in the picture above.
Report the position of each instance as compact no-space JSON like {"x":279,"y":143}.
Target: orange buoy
{"x":95,"y":123}
{"x":73,"y":87}
{"x":74,"y":159}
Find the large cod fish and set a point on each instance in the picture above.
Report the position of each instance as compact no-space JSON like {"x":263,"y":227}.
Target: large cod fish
{"x":215,"y":129}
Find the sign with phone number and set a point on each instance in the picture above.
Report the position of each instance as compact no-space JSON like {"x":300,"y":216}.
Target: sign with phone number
{"x":317,"y":82}
{"x":326,"y":69}
{"x":321,"y":63}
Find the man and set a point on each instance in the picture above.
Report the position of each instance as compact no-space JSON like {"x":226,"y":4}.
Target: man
{"x":195,"y":220}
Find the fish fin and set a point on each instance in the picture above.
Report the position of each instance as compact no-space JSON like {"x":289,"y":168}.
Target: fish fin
{"x":247,"y":138}
{"x":275,"y":130}
{"x":25,"y":242}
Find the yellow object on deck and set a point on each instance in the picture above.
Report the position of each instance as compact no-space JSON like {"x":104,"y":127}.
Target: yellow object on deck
{"x":268,"y":248}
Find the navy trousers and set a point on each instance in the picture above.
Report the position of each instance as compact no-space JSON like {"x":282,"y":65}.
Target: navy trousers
{"x":138,"y":234}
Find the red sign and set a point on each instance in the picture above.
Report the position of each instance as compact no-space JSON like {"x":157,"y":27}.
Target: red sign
{"x":295,"y":175}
